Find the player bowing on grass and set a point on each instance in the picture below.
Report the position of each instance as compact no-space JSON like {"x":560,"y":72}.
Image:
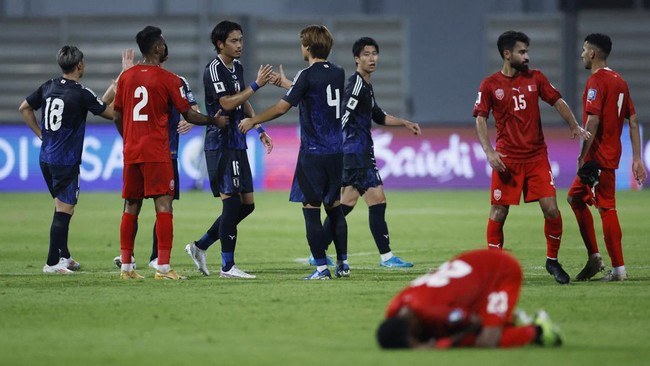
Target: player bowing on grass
{"x":360,"y":173}
{"x":465,"y":303}
{"x":317,"y":180}
{"x":520,"y":160}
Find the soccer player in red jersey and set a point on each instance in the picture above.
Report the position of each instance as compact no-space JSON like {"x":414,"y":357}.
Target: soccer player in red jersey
{"x":465,"y":303}
{"x":520,"y":160}
{"x":144,"y":94}
{"x":606,"y":104}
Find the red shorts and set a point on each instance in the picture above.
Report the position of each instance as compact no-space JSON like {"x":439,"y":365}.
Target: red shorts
{"x":144,"y":180}
{"x":603,"y":194}
{"x":534,"y":179}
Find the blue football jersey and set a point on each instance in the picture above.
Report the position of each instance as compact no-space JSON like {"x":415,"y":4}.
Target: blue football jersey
{"x":317,"y":90}
{"x":360,"y":110}
{"x":219,"y":81}
{"x":175,"y":118}
{"x":65,"y":104}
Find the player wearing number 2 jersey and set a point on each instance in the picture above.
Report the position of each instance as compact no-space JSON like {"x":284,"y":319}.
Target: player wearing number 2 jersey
{"x":65,"y":104}
{"x":464,"y":303}
{"x":606,"y":104}
{"x":317,"y":90}
{"x":142,"y":106}
{"x":520,"y":160}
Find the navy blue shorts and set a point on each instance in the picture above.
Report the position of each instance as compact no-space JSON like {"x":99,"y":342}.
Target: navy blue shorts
{"x":317,"y":179}
{"x":229,"y":172}
{"x":62,"y":181}
{"x":177,"y":190}
{"x":362,"y":179}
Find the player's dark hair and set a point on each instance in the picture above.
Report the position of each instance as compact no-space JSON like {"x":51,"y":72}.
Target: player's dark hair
{"x":601,"y":41}
{"x":318,"y":39}
{"x":393,"y":333}
{"x":361,"y":43}
{"x":509,"y":39}
{"x":221,"y":31}
{"x":147,"y":38}
{"x":68,"y":58}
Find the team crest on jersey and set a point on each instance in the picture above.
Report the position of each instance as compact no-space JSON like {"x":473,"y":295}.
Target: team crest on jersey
{"x":235,"y":182}
{"x":219,"y":87}
{"x":497,"y":194}
{"x":591,"y":95}
{"x":499,"y":94}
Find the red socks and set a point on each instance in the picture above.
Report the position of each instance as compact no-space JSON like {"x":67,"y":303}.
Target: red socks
{"x":553,"y":233}
{"x":165,"y":234}
{"x":517,"y":336}
{"x":586,"y":225}
{"x":613,"y":236}
{"x":127,"y":236}
{"x":494,"y":234}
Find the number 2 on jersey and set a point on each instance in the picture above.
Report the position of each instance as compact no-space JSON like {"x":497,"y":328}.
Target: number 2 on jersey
{"x":140,"y":92}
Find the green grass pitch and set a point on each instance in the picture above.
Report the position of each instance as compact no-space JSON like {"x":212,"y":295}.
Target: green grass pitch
{"x":94,"y":318}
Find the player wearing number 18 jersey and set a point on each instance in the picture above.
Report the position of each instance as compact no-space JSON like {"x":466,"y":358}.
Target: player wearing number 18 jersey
{"x":317,"y":90}
{"x":520,"y":160}
{"x":65,"y":104}
{"x":464,"y":303}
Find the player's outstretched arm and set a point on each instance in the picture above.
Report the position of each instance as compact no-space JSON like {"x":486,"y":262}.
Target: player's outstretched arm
{"x":27,"y":112}
{"x":197,"y":118}
{"x":231,"y":102}
{"x":280,"y":80}
{"x":565,"y":112}
{"x":591,"y":127}
{"x":269,"y":114}
{"x":411,"y":126}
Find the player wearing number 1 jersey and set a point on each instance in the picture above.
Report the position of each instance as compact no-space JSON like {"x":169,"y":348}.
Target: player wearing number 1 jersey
{"x":145,"y":93}
{"x":64,"y":105}
{"x":317,"y":90}
{"x":606,"y":104}
{"x":465,"y":303}
{"x":520,"y":160}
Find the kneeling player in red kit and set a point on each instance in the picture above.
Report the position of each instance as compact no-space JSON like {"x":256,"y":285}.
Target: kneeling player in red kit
{"x":465,"y":303}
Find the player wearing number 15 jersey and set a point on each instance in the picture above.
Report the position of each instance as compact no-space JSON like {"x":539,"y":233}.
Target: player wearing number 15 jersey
{"x":520,"y":160}
{"x":64,"y":105}
{"x":317,"y":90}
{"x":464,"y":303}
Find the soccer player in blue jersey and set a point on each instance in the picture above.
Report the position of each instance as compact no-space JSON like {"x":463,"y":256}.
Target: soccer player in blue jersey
{"x":360,"y":173}
{"x":317,"y":90}
{"x":229,"y":171}
{"x":65,"y":105}
{"x":177,"y":126}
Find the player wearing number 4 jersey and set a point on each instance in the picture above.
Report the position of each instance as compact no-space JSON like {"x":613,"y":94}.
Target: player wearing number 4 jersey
{"x":520,"y":160}
{"x":142,"y":106}
{"x":65,"y":104}
{"x":465,"y":303}
{"x":317,"y":180}
{"x":606,"y":104}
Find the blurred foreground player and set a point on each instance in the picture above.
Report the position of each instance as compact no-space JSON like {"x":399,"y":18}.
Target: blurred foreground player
{"x":465,"y":303}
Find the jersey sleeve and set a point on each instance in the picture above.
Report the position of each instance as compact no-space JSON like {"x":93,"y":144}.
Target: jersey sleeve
{"x":629,"y":106}
{"x":595,"y":100}
{"x":92,"y":102}
{"x":188,"y":92}
{"x":119,"y":92}
{"x":175,"y":89}
{"x":36,"y":98}
{"x":378,"y":114}
{"x":547,"y":91}
{"x":298,"y":89}
{"x":483,"y":103}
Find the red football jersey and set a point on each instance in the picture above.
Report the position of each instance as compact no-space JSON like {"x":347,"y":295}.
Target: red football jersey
{"x":483,"y":282}
{"x":607,"y":96}
{"x":514,"y":102}
{"x":144,"y":96}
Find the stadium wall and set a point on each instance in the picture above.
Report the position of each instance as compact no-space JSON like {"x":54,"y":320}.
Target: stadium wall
{"x":442,"y":158}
